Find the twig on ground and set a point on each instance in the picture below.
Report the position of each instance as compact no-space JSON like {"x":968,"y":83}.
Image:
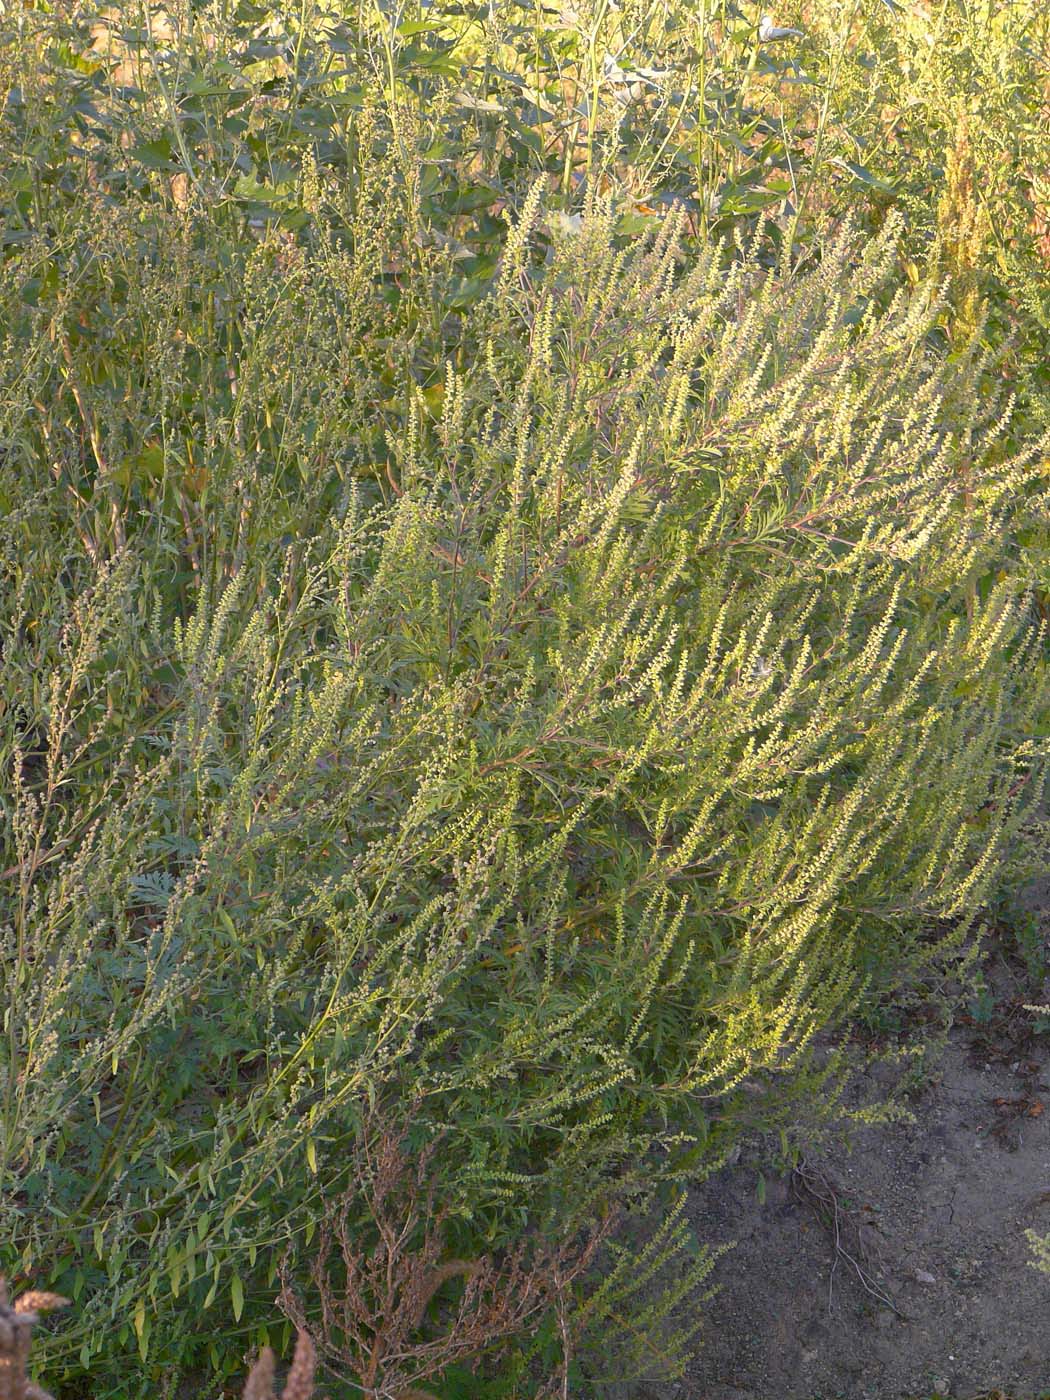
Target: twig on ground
{"x":813,"y":1186}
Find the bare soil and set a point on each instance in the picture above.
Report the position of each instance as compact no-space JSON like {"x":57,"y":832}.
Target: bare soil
{"x":898,"y":1268}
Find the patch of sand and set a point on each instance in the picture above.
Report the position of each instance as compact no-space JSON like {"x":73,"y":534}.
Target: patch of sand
{"x":935,"y":1211}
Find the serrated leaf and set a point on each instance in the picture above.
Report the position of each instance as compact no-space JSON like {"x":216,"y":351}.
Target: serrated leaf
{"x":153,"y":889}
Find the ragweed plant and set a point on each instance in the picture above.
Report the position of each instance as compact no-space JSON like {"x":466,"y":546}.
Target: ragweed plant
{"x":1041,"y":1250}
{"x":527,"y":675}
{"x":554,"y":756}
{"x":16,"y":1325}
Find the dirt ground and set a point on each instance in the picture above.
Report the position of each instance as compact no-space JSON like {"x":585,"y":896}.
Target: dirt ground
{"x":929,"y":1287}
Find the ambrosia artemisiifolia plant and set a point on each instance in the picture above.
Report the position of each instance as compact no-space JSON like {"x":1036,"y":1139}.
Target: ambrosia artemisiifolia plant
{"x":545,"y":752}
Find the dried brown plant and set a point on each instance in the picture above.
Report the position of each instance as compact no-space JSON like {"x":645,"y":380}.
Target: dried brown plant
{"x":374,"y":1324}
{"x":299,"y":1383}
{"x":376,"y":1285}
{"x":16,"y":1326}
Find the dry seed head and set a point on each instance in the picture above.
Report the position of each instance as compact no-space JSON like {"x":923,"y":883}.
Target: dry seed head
{"x":300,"y":1382}
{"x":35,"y":1302}
{"x":259,"y":1385}
{"x":16,"y":1326}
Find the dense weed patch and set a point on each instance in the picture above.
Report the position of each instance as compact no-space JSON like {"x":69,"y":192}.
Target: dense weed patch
{"x":493,"y":667}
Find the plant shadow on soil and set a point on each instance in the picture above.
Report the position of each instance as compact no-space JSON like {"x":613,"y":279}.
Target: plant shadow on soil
{"x":930,"y":1290}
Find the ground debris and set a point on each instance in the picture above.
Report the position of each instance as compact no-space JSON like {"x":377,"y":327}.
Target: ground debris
{"x":933,"y":1212}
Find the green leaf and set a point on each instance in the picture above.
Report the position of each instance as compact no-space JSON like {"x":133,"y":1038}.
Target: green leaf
{"x":142,"y":1327}
{"x":154,"y":155}
{"x":175,"y":1268}
{"x":419,"y":26}
{"x":863,"y":174}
